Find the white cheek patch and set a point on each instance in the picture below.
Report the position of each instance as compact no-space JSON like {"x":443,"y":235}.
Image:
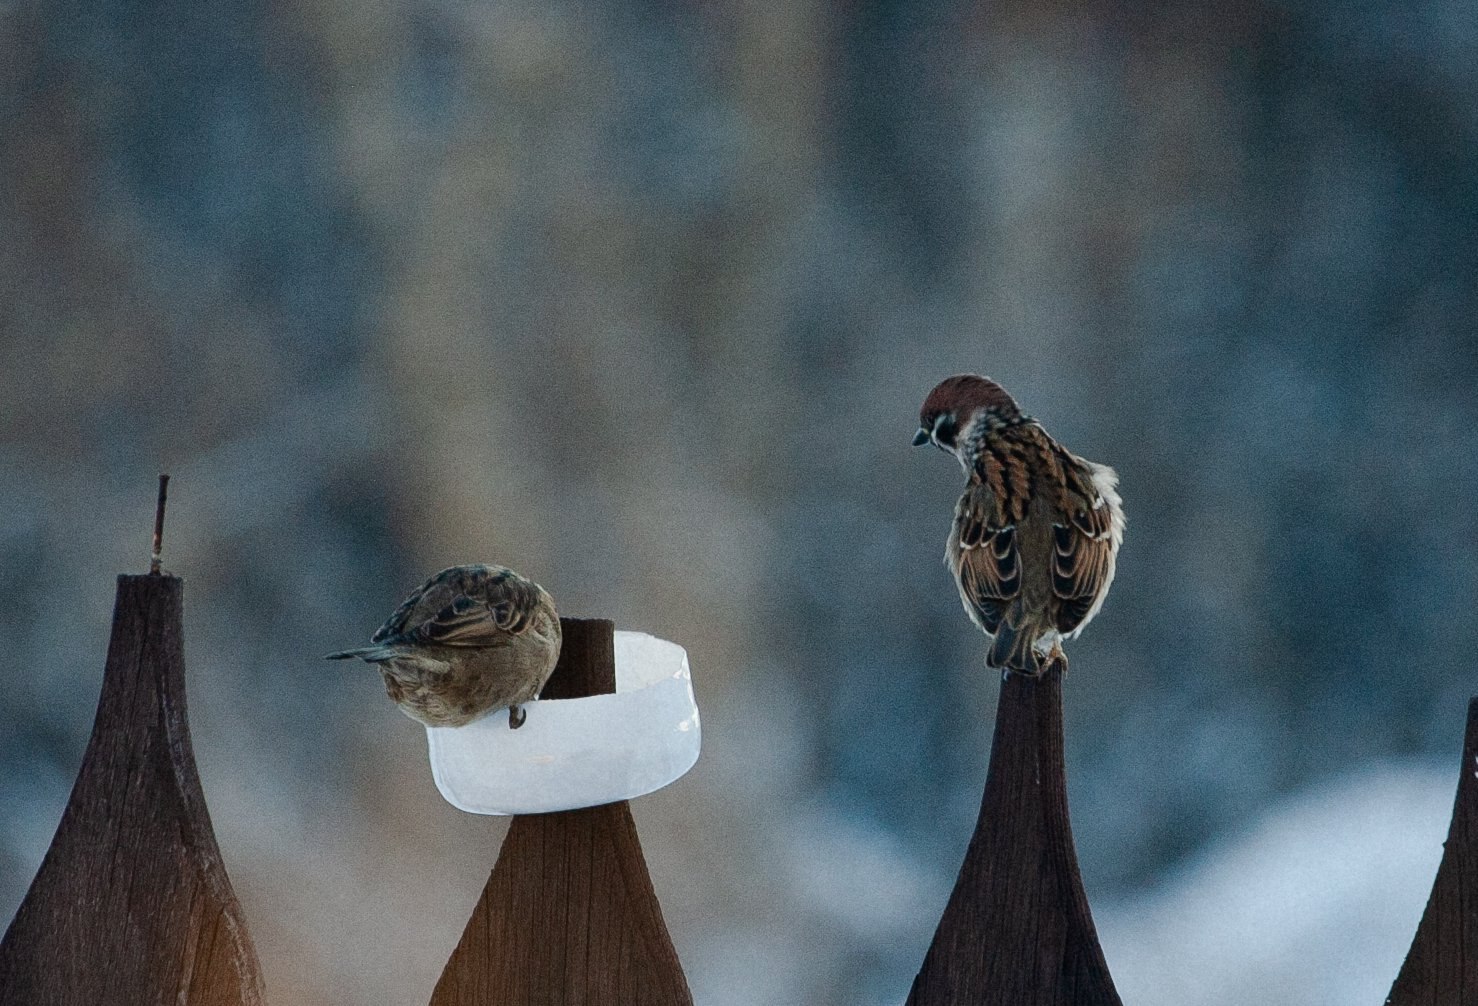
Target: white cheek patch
{"x":934,"y":434}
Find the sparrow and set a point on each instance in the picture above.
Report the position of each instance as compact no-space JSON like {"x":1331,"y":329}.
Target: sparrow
{"x":469,"y":640}
{"x":1036,"y":532}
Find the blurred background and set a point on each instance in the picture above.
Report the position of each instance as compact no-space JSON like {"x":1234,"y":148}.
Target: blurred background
{"x":642,"y":300}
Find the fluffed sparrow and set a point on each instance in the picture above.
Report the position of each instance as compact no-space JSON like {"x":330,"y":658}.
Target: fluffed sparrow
{"x":469,"y":640}
{"x":1037,"y":530}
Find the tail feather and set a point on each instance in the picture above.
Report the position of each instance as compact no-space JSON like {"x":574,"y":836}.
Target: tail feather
{"x":1012,"y":646}
{"x":372,"y":654}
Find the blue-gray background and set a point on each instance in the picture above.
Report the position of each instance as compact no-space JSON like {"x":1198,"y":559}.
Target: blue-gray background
{"x":641,"y":299}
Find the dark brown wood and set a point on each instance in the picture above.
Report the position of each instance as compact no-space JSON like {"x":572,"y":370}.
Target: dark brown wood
{"x":1441,"y":967}
{"x":1017,"y":930}
{"x":132,"y":905}
{"x":568,"y":917}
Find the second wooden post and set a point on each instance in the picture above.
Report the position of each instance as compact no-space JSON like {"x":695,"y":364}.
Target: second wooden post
{"x":569,"y":915}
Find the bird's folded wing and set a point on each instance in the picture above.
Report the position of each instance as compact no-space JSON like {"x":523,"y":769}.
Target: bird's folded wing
{"x":1082,"y":553}
{"x":400,"y":618}
{"x":487,"y":614}
{"x":988,"y":561}
{"x":464,"y":606}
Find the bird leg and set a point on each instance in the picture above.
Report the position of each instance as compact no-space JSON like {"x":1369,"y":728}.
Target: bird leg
{"x":1046,"y":661}
{"x":516,"y":716}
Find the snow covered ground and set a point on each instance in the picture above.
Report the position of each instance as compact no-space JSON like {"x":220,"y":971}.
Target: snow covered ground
{"x":1315,"y":905}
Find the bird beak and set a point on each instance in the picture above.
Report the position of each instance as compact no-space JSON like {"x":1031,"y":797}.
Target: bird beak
{"x":921,"y":438}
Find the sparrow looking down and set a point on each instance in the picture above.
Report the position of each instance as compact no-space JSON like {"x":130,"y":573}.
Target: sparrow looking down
{"x":469,"y":640}
{"x":1037,"y":530}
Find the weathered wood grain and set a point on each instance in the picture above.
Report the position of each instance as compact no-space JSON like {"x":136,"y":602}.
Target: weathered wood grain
{"x":132,"y":905}
{"x":1017,"y":930}
{"x":568,"y":917}
{"x":1441,"y":967}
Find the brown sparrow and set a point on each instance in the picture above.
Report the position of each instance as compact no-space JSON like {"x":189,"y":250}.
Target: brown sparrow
{"x":469,"y":640}
{"x":1037,"y":530}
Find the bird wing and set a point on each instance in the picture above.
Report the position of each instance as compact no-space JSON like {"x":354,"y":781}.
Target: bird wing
{"x":1083,"y":548}
{"x":465,"y":606}
{"x":987,"y":560}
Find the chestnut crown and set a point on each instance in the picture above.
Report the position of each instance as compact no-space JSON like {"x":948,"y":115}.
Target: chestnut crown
{"x":954,"y":402}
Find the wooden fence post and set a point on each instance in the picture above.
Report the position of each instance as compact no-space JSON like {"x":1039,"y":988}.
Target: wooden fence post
{"x":568,"y":916}
{"x":1441,"y":967}
{"x":132,"y":905}
{"x":1017,"y":930}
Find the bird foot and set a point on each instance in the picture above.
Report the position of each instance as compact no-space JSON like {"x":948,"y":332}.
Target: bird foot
{"x":516,"y":716}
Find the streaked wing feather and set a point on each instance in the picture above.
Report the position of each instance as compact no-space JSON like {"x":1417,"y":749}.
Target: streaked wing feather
{"x":1081,"y":551}
{"x":989,"y":562}
{"x":399,"y":619}
{"x":490,"y":609}
{"x":465,"y":606}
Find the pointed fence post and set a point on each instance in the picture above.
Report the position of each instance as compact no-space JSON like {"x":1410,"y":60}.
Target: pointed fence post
{"x":132,"y":904}
{"x":1017,"y":930}
{"x":1441,"y":967}
{"x":568,"y":915}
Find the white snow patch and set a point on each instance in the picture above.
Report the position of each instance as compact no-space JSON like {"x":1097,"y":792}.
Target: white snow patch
{"x":1316,"y":905}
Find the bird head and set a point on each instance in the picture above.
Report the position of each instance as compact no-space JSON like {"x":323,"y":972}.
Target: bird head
{"x":958,"y":404}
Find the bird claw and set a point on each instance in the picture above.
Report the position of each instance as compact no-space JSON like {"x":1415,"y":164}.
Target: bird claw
{"x":516,"y":716}
{"x":1055,"y":661}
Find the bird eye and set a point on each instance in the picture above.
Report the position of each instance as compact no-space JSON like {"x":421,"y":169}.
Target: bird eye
{"x":945,"y":430}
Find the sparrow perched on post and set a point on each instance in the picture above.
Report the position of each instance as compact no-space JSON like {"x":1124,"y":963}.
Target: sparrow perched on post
{"x":1037,"y":530}
{"x":469,"y":640}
